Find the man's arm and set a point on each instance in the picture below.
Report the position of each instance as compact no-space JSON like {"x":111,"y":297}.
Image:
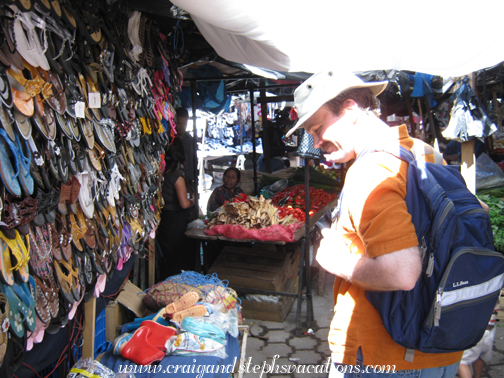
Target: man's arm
{"x":393,"y":271}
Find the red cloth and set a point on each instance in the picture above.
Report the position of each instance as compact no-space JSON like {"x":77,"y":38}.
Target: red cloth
{"x":271,"y":233}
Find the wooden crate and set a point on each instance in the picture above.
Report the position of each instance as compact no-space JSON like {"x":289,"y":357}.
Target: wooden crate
{"x":260,"y":267}
{"x":272,"y":312}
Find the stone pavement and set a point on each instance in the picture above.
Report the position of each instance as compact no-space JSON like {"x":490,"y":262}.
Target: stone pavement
{"x":297,"y":352}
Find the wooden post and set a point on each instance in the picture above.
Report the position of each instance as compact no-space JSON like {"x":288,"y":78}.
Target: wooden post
{"x":468,"y":159}
{"x":88,"y":334}
{"x":468,"y":168}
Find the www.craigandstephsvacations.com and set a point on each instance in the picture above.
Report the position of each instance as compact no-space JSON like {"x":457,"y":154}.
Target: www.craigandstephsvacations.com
{"x":199,"y":371}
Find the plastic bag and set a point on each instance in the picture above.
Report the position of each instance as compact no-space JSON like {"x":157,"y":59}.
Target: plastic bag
{"x":263,"y":298}
{"x":202,"y":328}
{"x":85,"y":368}
{"x":276,"y":232}
{"x":223,"y":319}
{"x":197,"y":223}
{"x":488,"y":173}
{"x":189,"y":344}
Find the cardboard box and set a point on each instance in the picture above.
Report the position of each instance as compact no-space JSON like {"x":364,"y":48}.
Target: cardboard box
{"x":260,"y":267}
{"x":272,"y":312}
{"x":131,"y":298}
{"x":124,"y":309}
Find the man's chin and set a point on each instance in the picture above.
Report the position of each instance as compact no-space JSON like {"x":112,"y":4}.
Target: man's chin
{"x":334,"y":156}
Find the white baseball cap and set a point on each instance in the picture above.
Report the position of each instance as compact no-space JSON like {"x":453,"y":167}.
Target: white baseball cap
{"x":323,"y":87}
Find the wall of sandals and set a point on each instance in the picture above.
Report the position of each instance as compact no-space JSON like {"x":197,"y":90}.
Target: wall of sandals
{"x":86,"y":89}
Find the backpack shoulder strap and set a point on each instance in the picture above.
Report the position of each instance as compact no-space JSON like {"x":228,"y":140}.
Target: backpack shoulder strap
{"x":421,"y":148}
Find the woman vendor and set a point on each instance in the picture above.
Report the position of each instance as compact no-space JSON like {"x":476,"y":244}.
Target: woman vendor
{"x":174,"y":251}
{"x":227,"y":191}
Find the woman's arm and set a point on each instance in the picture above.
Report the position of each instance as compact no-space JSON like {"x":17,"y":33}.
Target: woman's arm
{"x":180,"y":188}
{"x":215,"y":198}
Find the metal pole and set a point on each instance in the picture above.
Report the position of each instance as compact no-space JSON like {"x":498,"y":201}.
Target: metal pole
{"x":195,"y":140}
{"x":309,"y":305}
{"x":251,"y":93}
{"x":265,"y":132}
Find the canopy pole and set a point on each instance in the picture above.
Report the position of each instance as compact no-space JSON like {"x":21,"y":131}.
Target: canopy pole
{"x":195,"y":141}
{"x":265,"y":128}
{"x":254,"y":159}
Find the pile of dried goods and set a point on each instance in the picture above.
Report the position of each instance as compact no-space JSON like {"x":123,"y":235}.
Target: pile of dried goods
{"x":256,"y":213}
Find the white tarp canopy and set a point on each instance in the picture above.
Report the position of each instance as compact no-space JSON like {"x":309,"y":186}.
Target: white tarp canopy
{"x":442,"y":37}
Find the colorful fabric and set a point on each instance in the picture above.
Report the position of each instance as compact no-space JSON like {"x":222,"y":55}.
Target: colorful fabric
{"x":221,"y":195}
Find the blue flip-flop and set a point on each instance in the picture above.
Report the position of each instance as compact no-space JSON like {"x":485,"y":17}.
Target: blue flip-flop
{"x":25,"y":178}
{"x":26,"y":292}
{"x":17,"y":311}
{"x":7,"y":173}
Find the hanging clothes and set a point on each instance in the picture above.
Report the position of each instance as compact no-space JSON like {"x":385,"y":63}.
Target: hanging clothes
{"x":468,"y":119}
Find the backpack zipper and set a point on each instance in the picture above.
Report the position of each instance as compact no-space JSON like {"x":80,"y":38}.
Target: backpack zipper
{"x":435,"y":316}
{"x":430,"y":265}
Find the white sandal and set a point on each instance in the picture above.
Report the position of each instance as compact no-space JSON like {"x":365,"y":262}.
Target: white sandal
{"x":28,"y":44}
{"x":85,"y":199}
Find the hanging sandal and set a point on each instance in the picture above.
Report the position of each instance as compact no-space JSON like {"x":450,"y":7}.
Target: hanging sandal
{"x":20,"y":255}
{"x":8,"y":172}
{"x":23,"y":91}
{"x":67,"y":277}
{"x":24,"y":160}
{"x":27,"y":40}
{"x":4,"y":325}
{"x":17,"y":311}
{"x":26,"y":292}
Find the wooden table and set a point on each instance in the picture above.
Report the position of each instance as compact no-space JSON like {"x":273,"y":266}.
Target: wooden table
{"x":299,"y":237}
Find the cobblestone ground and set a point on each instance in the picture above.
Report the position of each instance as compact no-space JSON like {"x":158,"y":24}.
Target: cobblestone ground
{"x":305,"y":353}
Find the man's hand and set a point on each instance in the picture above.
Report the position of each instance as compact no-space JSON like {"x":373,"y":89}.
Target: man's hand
{"x":334,"y":256}
{"x":397,"y":270}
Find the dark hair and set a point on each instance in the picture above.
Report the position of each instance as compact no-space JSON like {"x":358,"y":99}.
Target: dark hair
{"x":182,"y":112}
{"x":238,"y":173}
{"x":364,"y":97}
{"x":174,"y":154}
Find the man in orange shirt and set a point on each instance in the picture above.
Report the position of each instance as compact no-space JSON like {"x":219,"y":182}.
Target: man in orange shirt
{"x":373,"y":246}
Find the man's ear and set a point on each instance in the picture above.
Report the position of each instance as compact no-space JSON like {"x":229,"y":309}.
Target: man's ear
{"x":350,"y":104}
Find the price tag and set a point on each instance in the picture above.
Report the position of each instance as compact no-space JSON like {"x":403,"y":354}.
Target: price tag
{"x":94,"y":100}
{"x":79,"y":109}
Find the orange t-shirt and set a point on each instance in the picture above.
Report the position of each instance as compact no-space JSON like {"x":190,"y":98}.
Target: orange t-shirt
{"x":375,"y":220}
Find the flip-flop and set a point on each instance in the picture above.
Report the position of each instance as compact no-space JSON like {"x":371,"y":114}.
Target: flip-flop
{"x":85,"y":198}
{"x":6,"y":122}
{"x":6,"y":271}
{"x":65,"y":275}
{"x":5,"y":89}
{"x":23,"y":124}
{"x":198,"y":310}
{"x":23,"y":99}
{"x":26,"y":292}
{"x":185,"y":301}
{"x":24,"y":159}
{"x":19,"y":256}
{"x":4,"y":325}
{"x":7,"y":173}
{"x":17,"y":311}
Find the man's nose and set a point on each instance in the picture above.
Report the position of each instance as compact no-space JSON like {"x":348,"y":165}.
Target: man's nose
{"x":317,"y":142}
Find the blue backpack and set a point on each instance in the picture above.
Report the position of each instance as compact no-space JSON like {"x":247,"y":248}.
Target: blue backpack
{"x":450,"y":306}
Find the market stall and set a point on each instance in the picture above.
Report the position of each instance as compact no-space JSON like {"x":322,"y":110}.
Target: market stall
{"x":279,"y":220}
